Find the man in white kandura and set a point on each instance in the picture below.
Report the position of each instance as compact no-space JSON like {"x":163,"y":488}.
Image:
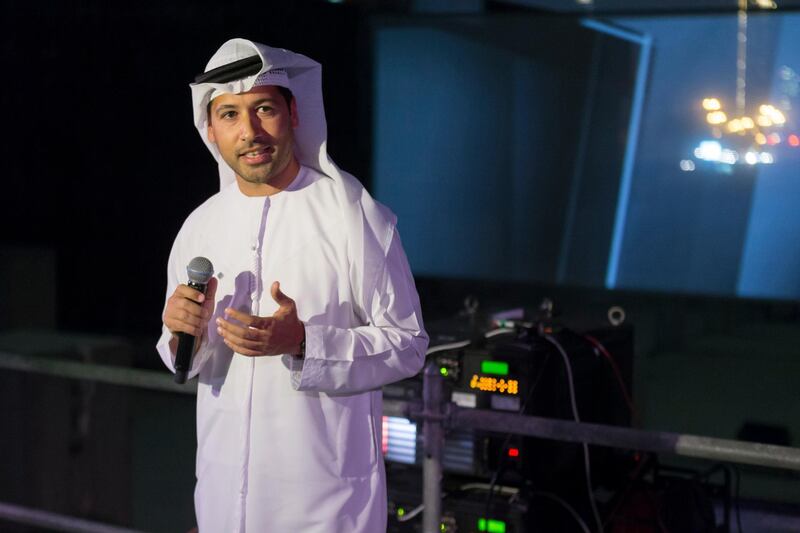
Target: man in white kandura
{"x":311,"y":310}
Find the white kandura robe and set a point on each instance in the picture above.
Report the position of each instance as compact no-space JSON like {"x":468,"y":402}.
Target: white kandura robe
{"x":290,"y":445}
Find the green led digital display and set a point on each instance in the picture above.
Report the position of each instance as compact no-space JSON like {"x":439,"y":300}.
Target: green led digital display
{"x":491,"y":526}
{"x":497,"y":368}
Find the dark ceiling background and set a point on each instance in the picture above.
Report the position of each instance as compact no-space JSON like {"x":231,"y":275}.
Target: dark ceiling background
{"x":101,"y":161}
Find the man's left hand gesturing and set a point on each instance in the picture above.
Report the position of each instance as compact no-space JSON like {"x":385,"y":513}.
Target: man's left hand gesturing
{"x":281,"y":333}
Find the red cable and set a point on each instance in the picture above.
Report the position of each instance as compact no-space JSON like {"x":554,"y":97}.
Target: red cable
{"x":617,"y":373}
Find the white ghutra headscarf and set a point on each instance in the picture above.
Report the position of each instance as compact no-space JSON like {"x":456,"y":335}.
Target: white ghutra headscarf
{"x":296,"y":72}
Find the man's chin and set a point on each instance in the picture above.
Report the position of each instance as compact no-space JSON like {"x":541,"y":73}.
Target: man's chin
{"x":256,"y":182}
{"x":256,"y":179}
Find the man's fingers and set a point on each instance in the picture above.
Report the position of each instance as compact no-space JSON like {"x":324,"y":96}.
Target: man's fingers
{"x":183,"y":323}
{"x":242,"y":350}
{"x":211,"y":288}
{"x":244,"y":318}
{"x":187,"y":317}
{"x":278,"y":296}
{"x":255,"y":336}
{"x":245,"y":347}
{"x":185,"y":328}
{"x":187,"y":292}
{"x":179,"y":318}
{"x":180,"y":306}
{"x":184,"y":313}
{"x":244,"y":340}
{"x":211,"y":292}
{"x":244,"y":332}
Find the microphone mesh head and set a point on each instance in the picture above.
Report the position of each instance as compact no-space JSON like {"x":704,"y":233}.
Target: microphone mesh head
{"x":200,"y":270}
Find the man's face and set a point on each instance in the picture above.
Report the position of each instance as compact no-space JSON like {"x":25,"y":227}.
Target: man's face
{"x":254,"y":134}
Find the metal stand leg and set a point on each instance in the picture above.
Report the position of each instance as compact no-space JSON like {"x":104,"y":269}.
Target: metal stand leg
{"x":433,"y":440}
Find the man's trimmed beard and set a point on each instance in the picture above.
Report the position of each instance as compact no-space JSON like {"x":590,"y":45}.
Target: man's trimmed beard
{"x":264,"y":173}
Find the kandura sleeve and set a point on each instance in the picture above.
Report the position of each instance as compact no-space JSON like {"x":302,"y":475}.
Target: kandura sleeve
{"x":176,"y":274}
{"x":389,"y":348}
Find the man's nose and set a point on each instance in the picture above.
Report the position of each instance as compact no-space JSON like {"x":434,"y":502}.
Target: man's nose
{"x":251,"y":127}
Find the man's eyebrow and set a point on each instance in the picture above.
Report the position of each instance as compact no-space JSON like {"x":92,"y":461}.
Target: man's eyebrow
{"x":264,"y":100}
{"x":224,"y":106}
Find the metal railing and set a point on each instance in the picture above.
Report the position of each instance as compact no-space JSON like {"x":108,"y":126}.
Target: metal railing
{"x":112,"y":375}
{"x":436,"y":414}
{"x":55,"y":521}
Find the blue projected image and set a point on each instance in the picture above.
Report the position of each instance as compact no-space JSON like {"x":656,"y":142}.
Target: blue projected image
{"x":719,"y":229}
{"x":461,"y":155}
{"x":504,"y":161}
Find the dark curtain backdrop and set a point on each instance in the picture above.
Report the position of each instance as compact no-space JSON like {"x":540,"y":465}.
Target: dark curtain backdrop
{"x":101,"y":162}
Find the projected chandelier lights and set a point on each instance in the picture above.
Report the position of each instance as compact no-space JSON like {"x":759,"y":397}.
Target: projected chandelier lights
{"x":749,"y":139}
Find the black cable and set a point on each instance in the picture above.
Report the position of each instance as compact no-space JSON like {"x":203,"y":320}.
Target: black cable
{"x":574,"y":404}
{"x":736,"y":501}
{"x":597,"y":346}
{"x":733,"y":469}
{"x":638,"y":473}
{"x":496,"y":476}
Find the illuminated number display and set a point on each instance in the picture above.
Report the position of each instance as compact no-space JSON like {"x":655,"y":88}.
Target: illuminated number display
{"x":491,"y":384}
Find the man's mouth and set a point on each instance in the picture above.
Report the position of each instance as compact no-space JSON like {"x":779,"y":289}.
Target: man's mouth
{"x":262,"y":154}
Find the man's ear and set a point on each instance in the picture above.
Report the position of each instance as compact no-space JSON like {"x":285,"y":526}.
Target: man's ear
{"x":293,"y":111}
{"x":210,"y":134}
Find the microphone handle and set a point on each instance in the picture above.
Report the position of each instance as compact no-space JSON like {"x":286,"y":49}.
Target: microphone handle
{"x":186,"y":345}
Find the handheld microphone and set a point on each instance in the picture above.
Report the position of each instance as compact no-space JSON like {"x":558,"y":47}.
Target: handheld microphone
{"x":200,"y":271}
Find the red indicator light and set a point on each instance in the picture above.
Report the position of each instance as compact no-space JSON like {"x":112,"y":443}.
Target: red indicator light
{"x":794,"y":140}
{"x":513,"y":452}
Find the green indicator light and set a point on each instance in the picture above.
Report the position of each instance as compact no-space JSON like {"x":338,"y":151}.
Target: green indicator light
{"x":400,"y":511}
{"x":491,"y":526}
{"x":496,"y":526}
{"x":498,"y":368}
{"x":443,"y":527}
{"x":443,"y":371}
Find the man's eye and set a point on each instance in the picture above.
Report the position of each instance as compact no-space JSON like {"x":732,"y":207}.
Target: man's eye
{"x":227,"y":115}
{"x":265,"y":109}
